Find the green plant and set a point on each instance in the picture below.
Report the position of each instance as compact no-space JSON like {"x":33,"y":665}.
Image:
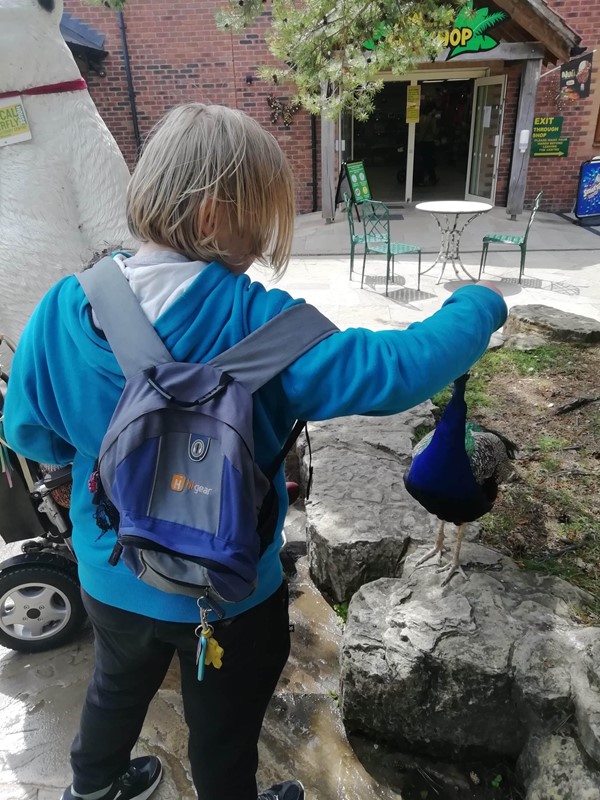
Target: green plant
{"x":421,"y":432}
{"x":331,"y":54}
{"x":341,"y":609}
{"x":548,"y":444}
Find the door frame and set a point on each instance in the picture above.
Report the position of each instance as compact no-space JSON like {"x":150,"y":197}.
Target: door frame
{"x":413,"y":79}
{"x":489,"y":81}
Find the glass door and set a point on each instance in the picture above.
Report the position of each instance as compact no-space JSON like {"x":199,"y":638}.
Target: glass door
{"x":486,"y":136}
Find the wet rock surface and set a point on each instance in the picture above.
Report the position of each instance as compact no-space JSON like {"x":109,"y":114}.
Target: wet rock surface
{"x":303,"y":736}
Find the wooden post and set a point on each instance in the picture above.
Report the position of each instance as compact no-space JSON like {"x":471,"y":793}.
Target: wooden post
{"x":525,"y":114}
{"x":328,"y":168}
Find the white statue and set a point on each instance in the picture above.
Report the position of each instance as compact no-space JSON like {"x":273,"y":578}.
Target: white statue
{"x":62,"y":193}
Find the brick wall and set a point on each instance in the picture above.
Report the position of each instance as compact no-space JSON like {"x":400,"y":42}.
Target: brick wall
{"x":177,"y":55}
{"x":558,"y":177}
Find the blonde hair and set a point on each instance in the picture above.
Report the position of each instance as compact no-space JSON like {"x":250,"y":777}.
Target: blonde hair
{"x":217,"y":163}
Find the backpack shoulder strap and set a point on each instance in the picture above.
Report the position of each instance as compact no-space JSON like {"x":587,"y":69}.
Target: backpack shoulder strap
{"x":271,"y":348}
{"x":129,"y":332}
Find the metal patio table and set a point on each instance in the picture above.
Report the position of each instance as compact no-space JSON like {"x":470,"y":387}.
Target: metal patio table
{"x":447,"y":214}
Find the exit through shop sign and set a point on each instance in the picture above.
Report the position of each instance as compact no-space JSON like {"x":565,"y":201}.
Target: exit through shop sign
{"x":547,"y":140}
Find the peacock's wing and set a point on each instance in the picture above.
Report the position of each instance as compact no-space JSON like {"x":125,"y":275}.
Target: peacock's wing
{"x":422,"y":444}
{"x":488,"y":457}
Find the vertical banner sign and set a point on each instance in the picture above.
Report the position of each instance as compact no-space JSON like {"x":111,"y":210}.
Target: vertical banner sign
{"x":576,"y":77}
{"x":13,"y":121}
{"x":358,"y":181}
{"x":413,"y":104}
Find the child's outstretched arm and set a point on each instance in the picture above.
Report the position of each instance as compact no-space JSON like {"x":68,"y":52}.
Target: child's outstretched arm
{"x":359,"y":371}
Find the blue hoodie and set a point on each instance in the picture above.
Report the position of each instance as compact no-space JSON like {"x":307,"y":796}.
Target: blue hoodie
{"x":65,"y":384}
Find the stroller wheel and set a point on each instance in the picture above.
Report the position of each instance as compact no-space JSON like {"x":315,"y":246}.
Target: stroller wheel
{"x":40,"y":607}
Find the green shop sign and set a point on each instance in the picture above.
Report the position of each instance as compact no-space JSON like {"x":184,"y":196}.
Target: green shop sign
{"x":470,"y":33}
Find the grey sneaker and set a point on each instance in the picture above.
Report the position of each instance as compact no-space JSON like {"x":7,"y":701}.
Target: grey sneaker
{"x":288,"y":790}
{"x":138,"y":783}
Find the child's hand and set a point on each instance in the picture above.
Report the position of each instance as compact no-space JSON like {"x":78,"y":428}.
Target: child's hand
{"x":491,"y":285}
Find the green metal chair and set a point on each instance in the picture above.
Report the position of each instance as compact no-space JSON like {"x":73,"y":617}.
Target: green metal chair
{"x":507,"y":238}
{"x":355,"y":238}
{"x":376,"y":227}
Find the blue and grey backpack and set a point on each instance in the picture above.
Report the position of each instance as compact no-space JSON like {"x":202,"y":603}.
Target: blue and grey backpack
{"x":192,"y":510}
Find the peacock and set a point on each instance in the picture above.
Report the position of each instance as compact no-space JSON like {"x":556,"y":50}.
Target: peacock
{"x":455,"y":472}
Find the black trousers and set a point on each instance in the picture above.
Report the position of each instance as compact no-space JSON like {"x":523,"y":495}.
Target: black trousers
{"x":224,"y":712}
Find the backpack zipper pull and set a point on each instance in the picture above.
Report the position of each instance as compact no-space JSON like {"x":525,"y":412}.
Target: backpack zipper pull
{"x":208,"y":601}
{"x":116,"y":554}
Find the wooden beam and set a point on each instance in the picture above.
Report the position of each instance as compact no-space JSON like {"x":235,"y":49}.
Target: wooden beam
{"x":520,"y":160}
{"x":517,"y":51}
{"x":541,"y":22}
{"x":328,"y":171}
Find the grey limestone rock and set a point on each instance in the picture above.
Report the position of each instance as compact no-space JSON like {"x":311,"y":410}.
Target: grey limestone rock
{"x":554,"y":768}
{"x":489,"y":668}
{"x":473,"y":668}
{"x":360,"y":518}
{"x":554,"y":324}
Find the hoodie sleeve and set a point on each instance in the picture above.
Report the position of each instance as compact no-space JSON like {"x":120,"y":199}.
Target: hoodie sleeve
{"x":359,"y":371}
{"x":31,"y":413}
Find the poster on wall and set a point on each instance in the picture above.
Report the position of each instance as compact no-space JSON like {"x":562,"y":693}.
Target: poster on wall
{"x":588,"y":192}
{"x":576,"y":77}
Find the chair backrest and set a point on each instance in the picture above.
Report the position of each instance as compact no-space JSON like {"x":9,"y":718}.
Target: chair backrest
{"x":376,"y":221}
{"x":348,"y":207}
{"x":536,"y":205}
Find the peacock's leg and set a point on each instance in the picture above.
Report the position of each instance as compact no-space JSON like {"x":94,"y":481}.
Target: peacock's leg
{"x":439,"y":547}
{"x":454,"y":566}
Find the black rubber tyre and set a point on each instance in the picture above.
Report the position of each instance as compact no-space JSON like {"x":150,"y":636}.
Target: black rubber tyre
{"x":40,"y":607}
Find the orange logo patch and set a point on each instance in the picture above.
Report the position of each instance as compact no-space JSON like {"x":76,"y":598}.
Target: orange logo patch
{"x":178,"y":482}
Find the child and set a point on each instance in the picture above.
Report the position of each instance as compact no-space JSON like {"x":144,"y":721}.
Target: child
{"x":211,"y":193}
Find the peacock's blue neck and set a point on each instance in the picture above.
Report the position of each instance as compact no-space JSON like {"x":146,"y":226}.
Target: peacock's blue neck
{"x":453,"y":422}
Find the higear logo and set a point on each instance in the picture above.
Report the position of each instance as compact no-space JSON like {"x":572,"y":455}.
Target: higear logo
{"x":179,"y":483}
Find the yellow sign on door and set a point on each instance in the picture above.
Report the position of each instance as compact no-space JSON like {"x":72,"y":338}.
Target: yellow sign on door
{"x":413,"y":103}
